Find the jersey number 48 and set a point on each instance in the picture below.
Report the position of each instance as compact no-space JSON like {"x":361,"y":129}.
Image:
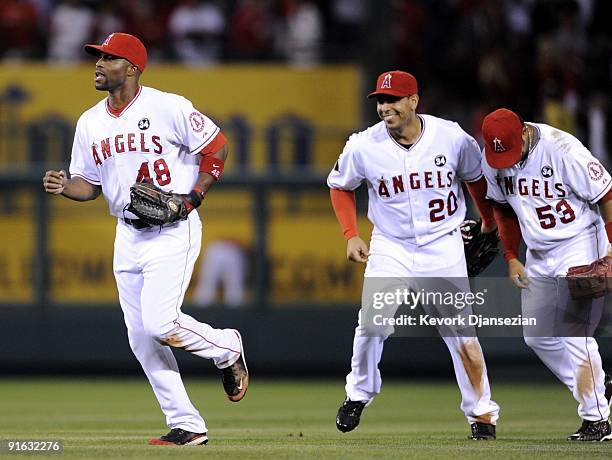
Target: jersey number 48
{"x":160,"y":167}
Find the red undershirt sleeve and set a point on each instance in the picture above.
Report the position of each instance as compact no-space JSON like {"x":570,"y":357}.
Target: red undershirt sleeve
{"x":508,"y":228}
{"x":343,"y":202}
{"x":218,"y":142}
{"x":478,"y":192}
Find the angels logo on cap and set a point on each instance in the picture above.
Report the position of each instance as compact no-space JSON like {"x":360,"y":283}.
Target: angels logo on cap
{"x":502,"y":130}
{"x":122,"y":45}
{"x":395,"y":83}
{"x":386,"y":81}
{"x":498,"y":146}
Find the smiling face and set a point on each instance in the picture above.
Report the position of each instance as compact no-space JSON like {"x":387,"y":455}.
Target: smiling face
{"x":396,"y":112}
{"x":112,"y":72}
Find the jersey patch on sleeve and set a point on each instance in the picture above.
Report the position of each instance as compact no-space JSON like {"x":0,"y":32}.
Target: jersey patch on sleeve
{"x":595,"y":169}
{"x":196,"y":119}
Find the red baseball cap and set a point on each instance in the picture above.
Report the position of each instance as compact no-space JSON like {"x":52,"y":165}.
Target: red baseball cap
{"x":502,"y":131}
{"x":395,"y":83}
{"x":122,"y":45}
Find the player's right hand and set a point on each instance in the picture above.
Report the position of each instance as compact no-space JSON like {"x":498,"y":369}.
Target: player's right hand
{"x":55,"y":181}
{"x":516,"y":271}
{"x":357,"y":250}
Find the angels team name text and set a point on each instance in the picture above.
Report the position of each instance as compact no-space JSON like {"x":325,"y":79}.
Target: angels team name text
{"x":124,"y":143}
{"x":415,"y":181}
{"x":524,"y":186}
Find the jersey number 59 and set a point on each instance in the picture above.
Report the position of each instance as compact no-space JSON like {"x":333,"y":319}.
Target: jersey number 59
{"x":160,"y":167}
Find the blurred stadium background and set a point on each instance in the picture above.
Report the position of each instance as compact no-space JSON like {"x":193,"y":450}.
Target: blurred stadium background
{"x":286,"y":80}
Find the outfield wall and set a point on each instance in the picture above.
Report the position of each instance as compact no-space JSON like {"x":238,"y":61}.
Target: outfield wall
{"x":282,"y":343}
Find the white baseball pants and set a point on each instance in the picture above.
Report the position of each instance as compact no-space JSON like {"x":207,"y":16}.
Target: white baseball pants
{"x":152,"y":268}
{"x":574,"y":360}
{"x":443,"y":257}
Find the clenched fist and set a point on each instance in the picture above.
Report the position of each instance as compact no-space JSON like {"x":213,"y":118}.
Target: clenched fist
{"x":55,"y":181}
{"x":357,"y":250}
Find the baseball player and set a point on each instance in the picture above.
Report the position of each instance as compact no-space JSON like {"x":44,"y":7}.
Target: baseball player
{"x":550,"y":190}
{"x":413,"y":165}
{"x":139,"y":134}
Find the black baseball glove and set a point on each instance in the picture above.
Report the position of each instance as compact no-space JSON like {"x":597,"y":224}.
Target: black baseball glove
{"x":156,"y":207}
{"x":480,"y":248}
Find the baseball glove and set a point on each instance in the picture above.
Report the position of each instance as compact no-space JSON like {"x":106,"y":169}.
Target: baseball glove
{"x":154,"y":206}
{"x":590,"y":281}
{"x":480,"y":248}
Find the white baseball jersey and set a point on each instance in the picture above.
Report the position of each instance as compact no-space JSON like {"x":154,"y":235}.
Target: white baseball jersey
{"x":157,"y":136}
{"x":554,"y":191}
{"x":414,"y":193}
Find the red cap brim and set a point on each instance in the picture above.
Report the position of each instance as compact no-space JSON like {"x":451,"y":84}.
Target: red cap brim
{"x":97,"y":50}
{"x":390,"y":92}
{"x":503,"y":160}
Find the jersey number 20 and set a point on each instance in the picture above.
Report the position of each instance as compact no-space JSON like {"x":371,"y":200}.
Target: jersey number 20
{"x":436,"y":207}
{"x":160,"y":167}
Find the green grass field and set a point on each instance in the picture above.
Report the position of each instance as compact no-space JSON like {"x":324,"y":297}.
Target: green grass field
{"x":112,"y":418}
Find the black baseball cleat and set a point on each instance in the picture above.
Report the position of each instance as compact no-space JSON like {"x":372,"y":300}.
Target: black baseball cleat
{"x":236,"y":377}
{"x":180,"y":437}
{"x":349,"y":414}
{"x":608,"y":386}
{"x":482,"y":431}
{"x":592,"y":432}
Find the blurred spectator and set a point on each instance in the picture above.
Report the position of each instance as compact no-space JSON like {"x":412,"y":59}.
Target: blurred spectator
{"x":19,"y":30}
{"x":597,"y":122}
{"x":301,"y":36}
{"x":554,"y":112}
{"x":148,"y":20}
{"x":251,"y":30}
{"x":547,"y":59}
{"x":71,"y":25}
{"x":109,"y":19}
{"x":223,"y":275}
{"x":407,"y":34}
{"x":345,"y":29}
{"x":196,"y":28}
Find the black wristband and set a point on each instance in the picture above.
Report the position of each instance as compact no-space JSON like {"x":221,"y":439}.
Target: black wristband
{"x":194,"y":198}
